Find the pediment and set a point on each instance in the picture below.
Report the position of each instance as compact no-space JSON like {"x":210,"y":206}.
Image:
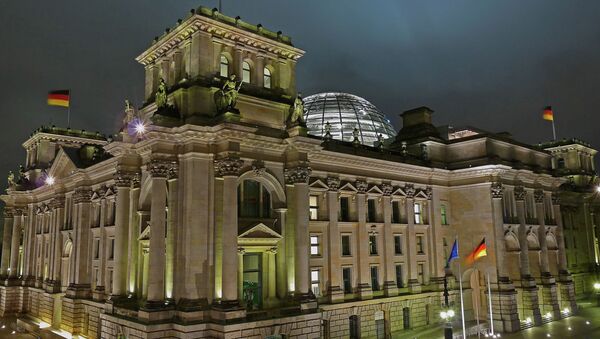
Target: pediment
{"x":375,"y":190}
{"x":348,"y":187}
{"x":318,"y":183}
{"x":62,"y":166}
{"x":260,"y":231}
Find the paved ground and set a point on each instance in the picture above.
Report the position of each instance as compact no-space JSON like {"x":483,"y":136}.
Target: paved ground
{"x":8,"y":326}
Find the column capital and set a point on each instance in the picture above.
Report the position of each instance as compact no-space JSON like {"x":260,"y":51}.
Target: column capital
{"x":520,"y":193}
{"x":429,"y":192}
{"x":82,"y":195}
{"x":555,"y":199}
{"x":409,"y":190}
{"x":538,"y":196}
{"x":333,"y":183}
{"x":57,"y":202}
{"x":497,"y":190}
{"x":17,"y":211}
{"x":159,"y":168}
{"x":229,"y":166}
{"x":8,"y":212}
{"x":124,"y":179}
{"x":361,"y":186}
{"x":298,"y":175}
{"x":387,"y":189}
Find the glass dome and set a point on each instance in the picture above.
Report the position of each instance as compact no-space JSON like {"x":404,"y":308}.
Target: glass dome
{"x":344,"y":112}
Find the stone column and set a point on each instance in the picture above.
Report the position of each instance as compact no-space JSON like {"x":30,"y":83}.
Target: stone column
{"x":566,"y":285}
{"x":298,"y":177}
{"x":15,"y":243}
{"x":134,"y":233}
{"x":151,"y":81}
{"x":58,"y":204}
{"x":27,"y":248}
{"x":365,"y":290}
{"x":158,"y":170}
{"x":238,"y":63}
{"x":411,"y":240}
{"x":282,"y":281}
{"x":336,"y":294}
{"x":390,"y":288}
{"x":6,"y":241}
{"x":259,"y":65}
{"x":497,"y":192}
{"x":172,"y":223}
{"x":530,"y":304}
{"x":549,"y":290}
{"x":229,"y":168}
{"x":272,"y":283}
{"x":80,"y":288}
{"x":123,"y":199}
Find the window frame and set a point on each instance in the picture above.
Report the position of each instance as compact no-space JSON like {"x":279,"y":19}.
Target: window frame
{"x":221,"y":64}
{"x":418,"y":211}
{"x":316,"y":245}
{"x":398,"y":248}
{"x":246,"y":72}
{"x":375,"y":286}
{"x":373,"y":250}
{"x":349,"y":237}
{"x":315,"y":283}
{"x":267,"y":78}
{"x":313,"y":208}
{"x":420,"y":239}
{"x":444,"y":214}
{"x":350,"y":289}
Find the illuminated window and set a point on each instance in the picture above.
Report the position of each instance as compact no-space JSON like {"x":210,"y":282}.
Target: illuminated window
{"x":224,"y":70}
{"x":444,"y":215}
{"x":246,"y":72}
{"x":417,"y":209}
{"x":314,"y":207}
{"x":267,"y":78}
{"x":315,"y":246}
{"x":314,"y":281}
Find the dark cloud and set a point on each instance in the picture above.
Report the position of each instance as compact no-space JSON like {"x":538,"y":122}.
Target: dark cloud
{"x":489,"y":64}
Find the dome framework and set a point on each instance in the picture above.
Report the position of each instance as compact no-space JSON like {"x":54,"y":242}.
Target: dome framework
{"x":345,"y":112}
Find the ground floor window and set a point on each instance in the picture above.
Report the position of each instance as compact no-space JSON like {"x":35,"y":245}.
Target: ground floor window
{"x":354,"y":327}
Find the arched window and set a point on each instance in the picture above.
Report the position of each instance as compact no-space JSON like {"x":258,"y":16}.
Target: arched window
{"x":246,"y":72}
{"x":267,"y":78}
{"x":224,"y":70}
{"x":254,"y":200}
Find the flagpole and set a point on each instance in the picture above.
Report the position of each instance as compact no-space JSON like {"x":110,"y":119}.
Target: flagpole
{"x":553,"y":129}
{"x":490,"y":303}
{"x":69,"y":111}
{"x":462,"y":302}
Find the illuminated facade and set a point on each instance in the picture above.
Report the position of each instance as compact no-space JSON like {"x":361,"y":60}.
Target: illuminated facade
{"x":229,"y":220}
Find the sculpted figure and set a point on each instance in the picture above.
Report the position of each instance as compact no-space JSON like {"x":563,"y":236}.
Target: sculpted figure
{"x":226,"y":97}
{"x":297,"y":110}
{"x":11,"y":179}
{"x":161,"y":94}
{"x":129,"y":113}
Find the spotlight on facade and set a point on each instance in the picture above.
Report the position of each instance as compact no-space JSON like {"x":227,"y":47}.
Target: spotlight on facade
{"x":566,"y":310}
{"x":44,"y":325}
{"x":49,"y":180}
{"x":528,"y":321}
{"x":569,"y":328}
{"x":598,"y":189}
{"x":587,"y":322}
{"x":140,"y":128}
{"x":549,"y":315}
{"x":597,"y":286}
{"x":3,"y":326}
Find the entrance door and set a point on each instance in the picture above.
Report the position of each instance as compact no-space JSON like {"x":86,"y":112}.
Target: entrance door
{"x":252,"y":282}
{"x":406,"y":318}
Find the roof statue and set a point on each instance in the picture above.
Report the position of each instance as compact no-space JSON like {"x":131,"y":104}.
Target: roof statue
{"x":129,"y":113}
{"x":161,"y":94}
{"x":11,"y":180}
{"x":297,"y":116}
{"x":226,"y":97}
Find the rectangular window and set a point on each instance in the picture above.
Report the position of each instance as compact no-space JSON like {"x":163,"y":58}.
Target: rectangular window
{"x":111,"y":250}
{"x":110,"y":281}
{"x":97,"y":277}
{"x":371,"y":210}
{"x":373,"y":244}
{"x":443,"y":215}
{"x":420,"y":245}
{"x":398,"y":244}
{"x":399,"y":277}
{"x":314,"y":281}
{"x":347,"y":278}
{"x":96,"y":248}
{"x":344,"y":209}
{"x":354,"y":327}
{"x":375,"y":278}
{"x":421,"y":273}
{"x":314,"y":207}
{"x":417,"y":209}
{"x":346,"y":250}
{"x":396,"y":212}
{"x":315,"y":245}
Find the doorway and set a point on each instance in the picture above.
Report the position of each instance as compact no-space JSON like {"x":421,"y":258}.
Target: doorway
{"x":252,"y":281}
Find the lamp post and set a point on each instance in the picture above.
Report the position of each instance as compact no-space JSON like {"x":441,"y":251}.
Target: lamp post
{"x":448,"y":314}
{"x":597,"y":289}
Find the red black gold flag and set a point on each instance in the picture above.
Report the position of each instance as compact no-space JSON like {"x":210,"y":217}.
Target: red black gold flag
{"x":480,"y":251}
{"x":59,"y":98}
{"x":548,"y":114}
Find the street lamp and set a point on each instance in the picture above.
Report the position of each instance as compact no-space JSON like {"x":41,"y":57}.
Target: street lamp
{"x":447,"y":316}
{"x":597,"y":288}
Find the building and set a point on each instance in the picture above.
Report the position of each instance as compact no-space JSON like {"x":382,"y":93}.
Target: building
{"x":215,"y":213}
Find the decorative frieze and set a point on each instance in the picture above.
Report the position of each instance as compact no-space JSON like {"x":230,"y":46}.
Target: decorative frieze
{"x":8,"y":212}
{"x":82,"y":195}
{"x":124,"y":178}
{"x":538,"y":196}
{"x":297,"y":175}
{"x":361,"y":186}
{"x":173,"y":172}
{"x":57,"y":202}
{"x":520,"y":193}
{"x":497,"y":190}
{"x":228,"y":166}
{"x":387,"y":189}
{"x":258,"y":167}
{"x":160,"y":168}
{"x":429,"y":192}
{"x":333,"y":183}
{"x":409,"y":190}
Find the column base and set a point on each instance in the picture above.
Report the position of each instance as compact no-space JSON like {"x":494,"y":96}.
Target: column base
{"x":531,"y":305}
{"x":227,"y":310}
{"x":190,"y":305}
{"x":336,"y":294}
{"x":29,"y":281}
{"x":365,"y":291}
{"x":549,"y":296}
{"x":414,"y":286}
{"x":390,"y":289}
{"x":156,"y":310}
{"x":567,"y":292}
{"x":437,"y":283}
{"x":79,"y":291}
{"x":12,"y":281}
{"x":52,"y":286}
{"x":98,"y":293}
{"x":297,"y":130}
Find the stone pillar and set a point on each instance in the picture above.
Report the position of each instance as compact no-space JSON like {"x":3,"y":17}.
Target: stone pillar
{"x":6,"y":241}
{"x":158,"y":170}
{"x":390,"y":288}
{"x":540,"y":211}
{"x":151,"y":81}
{"x":365,"y":290}
{"x":229,"y":168}
{"x":566,"y":285}
{"x":15,"y":243}
{"x":58,"y":204}
{"x":258,"y":75}
{"x":28,"y":245}
{"x":123,"y":199}
{"x":272,"y":283}
{"x":172,"y":223}
{"x":336,"y":294}
{"x":80,"y":288}
{"x":530,"y":303}
{"x":134,"y":233}
{"x":282,"y":281}
{"x":411,"y":240}
{"x":298,"y":177}
{"x":238,"y":63}
{"x":499,"y":243}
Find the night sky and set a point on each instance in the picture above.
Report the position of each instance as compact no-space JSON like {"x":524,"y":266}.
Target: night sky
{"x":490,"y":64}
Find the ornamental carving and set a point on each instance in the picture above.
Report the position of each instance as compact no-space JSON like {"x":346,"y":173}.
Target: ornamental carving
{"x":124,"y":178}
{"x":361,"y":186}
{"x":17,"y":212}
{"x":297,"y":175}
{"x":173,"y":171}
{"x":58,"y":202}
{"x":520,"y":193}
{"x":229,"y":166}
{"x":410,"y":191}
{"x":333,"y":183}
{"x":387,"y":189}
{"x":160,"y":168}
{"x":538,"y":195}
{"x":555,"y":198}
{"x":258,"y":168}
{"x":135,"y":181}
{"x":8,"y":212}
{"x":429,"y":192}
{"x":497,"y":190}
{"x":82,"y":195}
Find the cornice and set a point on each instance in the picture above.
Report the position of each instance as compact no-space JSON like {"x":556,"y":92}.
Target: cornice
{"x":61,"y":138}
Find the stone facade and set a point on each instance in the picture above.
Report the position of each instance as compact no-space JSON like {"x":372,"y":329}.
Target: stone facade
{"x":238,"y":224}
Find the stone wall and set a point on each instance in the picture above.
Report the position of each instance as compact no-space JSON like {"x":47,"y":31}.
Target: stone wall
{"x":11,"y":299}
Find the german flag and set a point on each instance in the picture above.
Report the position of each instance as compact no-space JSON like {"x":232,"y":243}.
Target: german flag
{"x":59,"y":98}
{"x":480,"y":251}
{"x":548,"y":115}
